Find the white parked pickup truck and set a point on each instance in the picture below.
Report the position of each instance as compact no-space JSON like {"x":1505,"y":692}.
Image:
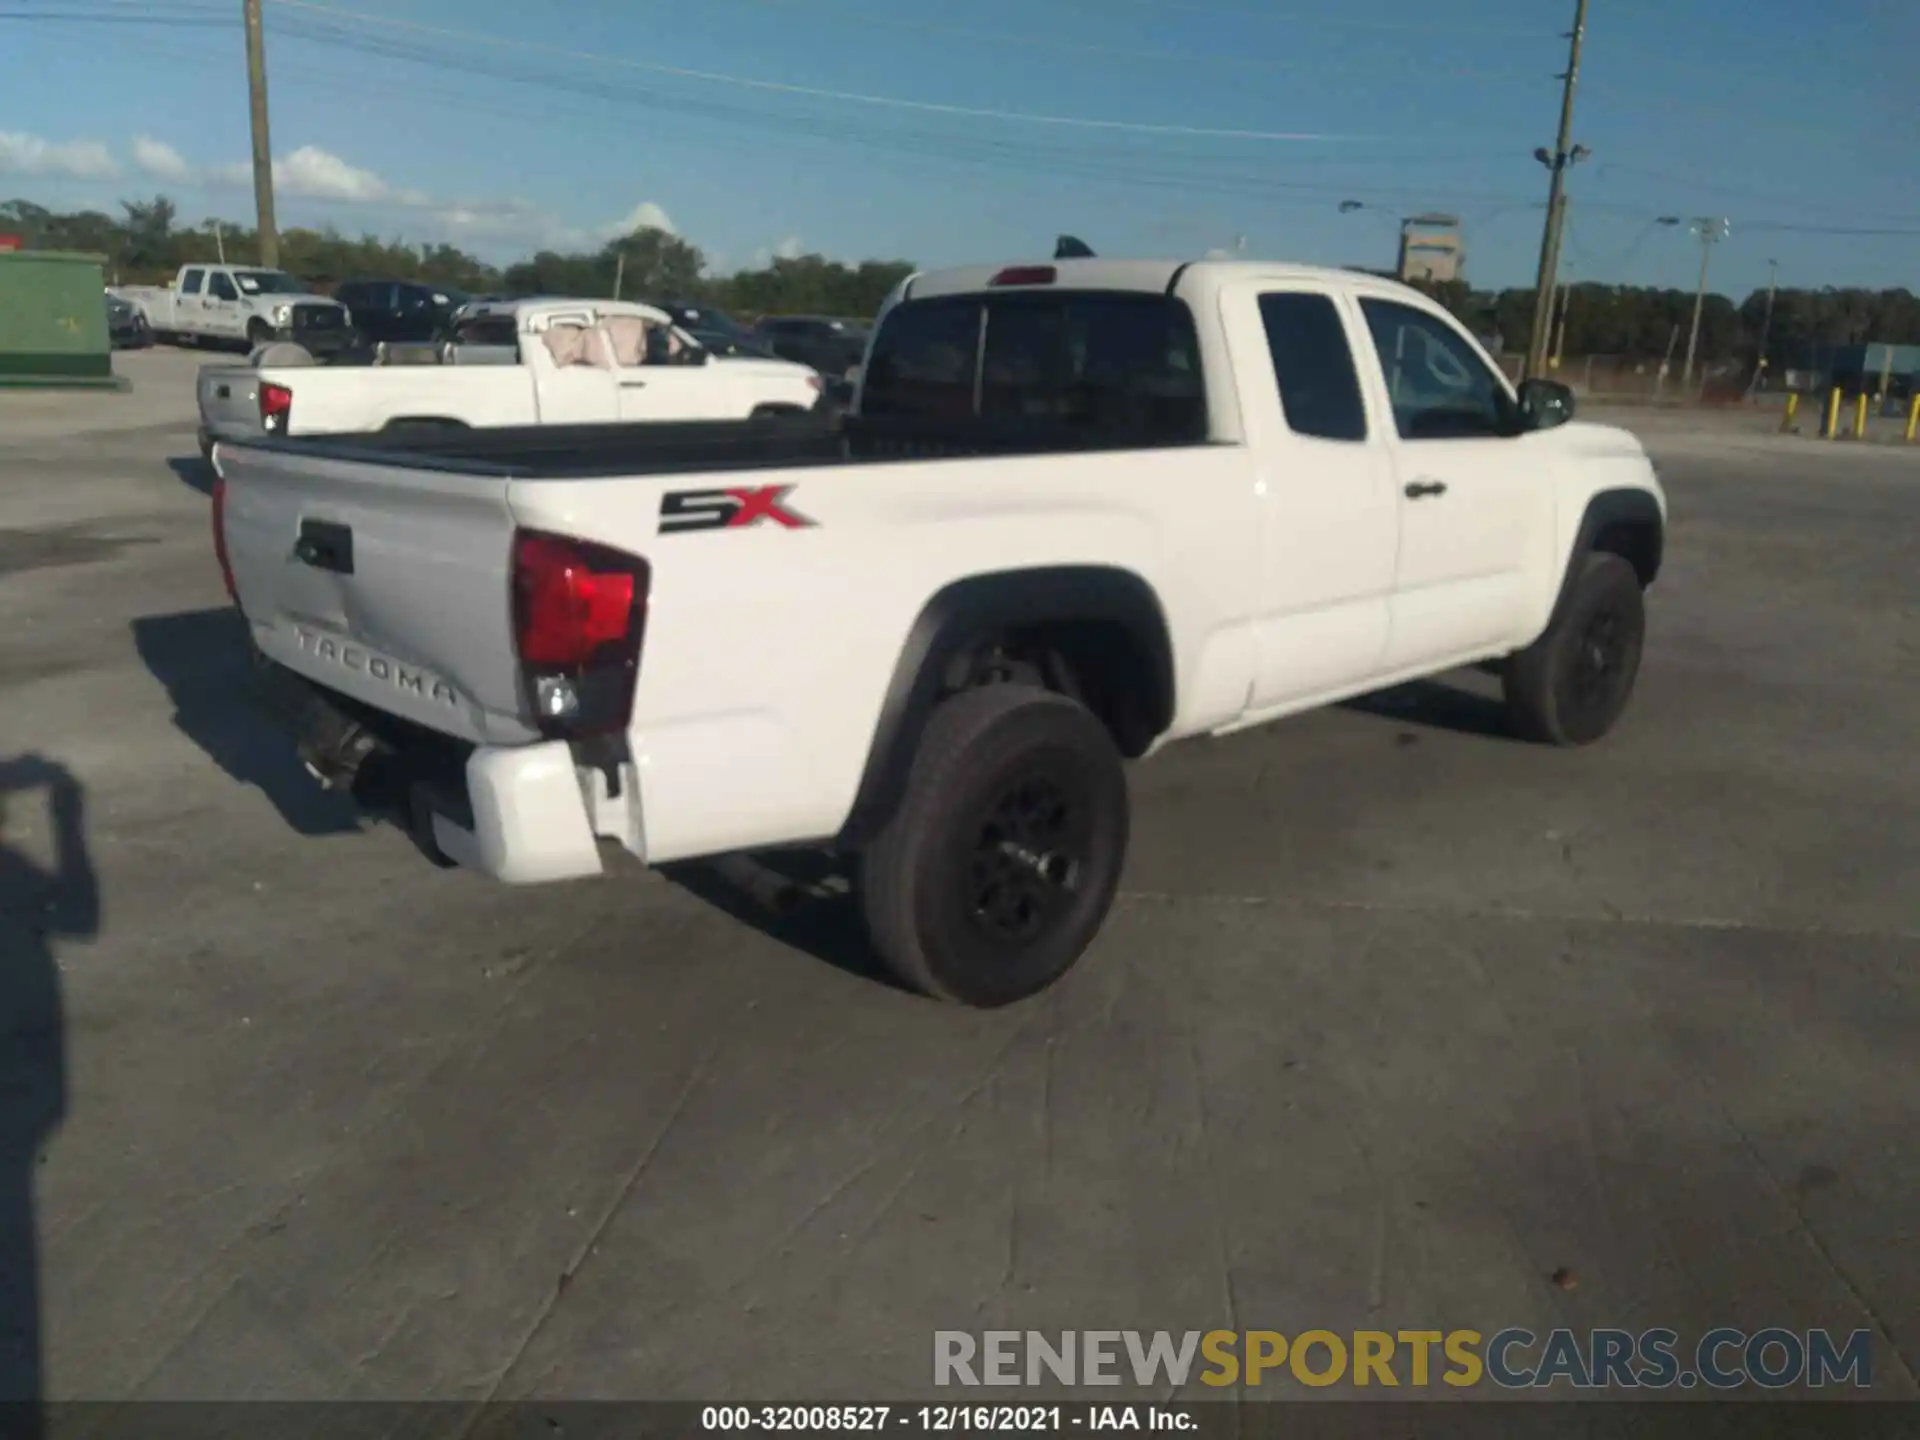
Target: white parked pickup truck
{"x":241,"y":305}
{"x":545,"y":362}
{"x":1079,"y":511}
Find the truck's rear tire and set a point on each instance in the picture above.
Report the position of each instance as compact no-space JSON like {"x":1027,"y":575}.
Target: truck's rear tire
{"x":1571,"y":685}
{"x":1001,"y":862}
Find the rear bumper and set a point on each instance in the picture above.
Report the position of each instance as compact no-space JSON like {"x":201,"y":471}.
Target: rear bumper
{"x":524,"y":814}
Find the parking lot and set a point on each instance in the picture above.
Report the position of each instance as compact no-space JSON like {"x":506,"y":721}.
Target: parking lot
{"x":1399,"y":1024}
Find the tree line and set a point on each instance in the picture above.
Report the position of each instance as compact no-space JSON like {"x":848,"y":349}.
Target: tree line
{"x":147,"y":242}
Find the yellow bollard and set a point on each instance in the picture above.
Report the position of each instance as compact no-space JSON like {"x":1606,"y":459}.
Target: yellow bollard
{"x":1860,"y":417}
{"x":1913,"y":419}
{"x":1831,"y":430}
{"x":1787,"y":425}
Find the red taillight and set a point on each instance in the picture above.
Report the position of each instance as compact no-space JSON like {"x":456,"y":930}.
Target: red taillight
{"x":276,"y":407}
{"x":1026,"y":275}
{"x":220,"y":537}
{"x":579,"y":614}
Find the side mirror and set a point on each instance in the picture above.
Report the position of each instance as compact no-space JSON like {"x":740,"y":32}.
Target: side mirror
{"x":1545,"y":404}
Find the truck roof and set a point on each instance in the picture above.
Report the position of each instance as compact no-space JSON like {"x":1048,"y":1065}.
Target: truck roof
{"x":1142,"y":275}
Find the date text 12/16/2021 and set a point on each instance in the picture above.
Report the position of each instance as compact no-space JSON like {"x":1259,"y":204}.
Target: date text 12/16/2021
{"x":945,"y":1419}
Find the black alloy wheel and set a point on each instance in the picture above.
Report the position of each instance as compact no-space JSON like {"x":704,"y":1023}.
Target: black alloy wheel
{"x":1028,"y":858}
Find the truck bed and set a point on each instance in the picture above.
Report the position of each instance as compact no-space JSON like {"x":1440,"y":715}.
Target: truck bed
{"x":531,"y":452}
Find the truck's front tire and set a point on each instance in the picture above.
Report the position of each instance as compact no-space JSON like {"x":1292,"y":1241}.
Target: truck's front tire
{"x":998,"y":868}
{"x":1571,"y":685}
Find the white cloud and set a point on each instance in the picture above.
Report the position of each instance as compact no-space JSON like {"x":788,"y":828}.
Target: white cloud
{"x":24,"y":154}
{"x":313,"y":173}
{"x":644,"y":216}
{"x":788,"y":249}
{"x":160,"y":159}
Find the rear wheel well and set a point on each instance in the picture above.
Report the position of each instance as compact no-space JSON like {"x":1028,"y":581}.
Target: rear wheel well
{"x":1100,"y":663}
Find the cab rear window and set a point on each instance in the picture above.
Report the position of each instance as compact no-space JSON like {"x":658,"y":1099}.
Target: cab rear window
{"x":1090,"y":363}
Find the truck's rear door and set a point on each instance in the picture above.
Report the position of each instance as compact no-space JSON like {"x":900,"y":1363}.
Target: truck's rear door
{"x":388,"y":583}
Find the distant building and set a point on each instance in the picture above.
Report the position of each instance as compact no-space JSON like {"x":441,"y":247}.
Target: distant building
{"x":1432,"y":248}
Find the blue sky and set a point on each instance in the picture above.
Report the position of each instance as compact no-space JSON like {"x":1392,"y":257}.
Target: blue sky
{"x":952,"y":132}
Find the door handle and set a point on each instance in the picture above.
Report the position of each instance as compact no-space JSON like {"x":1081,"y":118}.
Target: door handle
{"x":1420,"y":489}
{"x":633,"y":384}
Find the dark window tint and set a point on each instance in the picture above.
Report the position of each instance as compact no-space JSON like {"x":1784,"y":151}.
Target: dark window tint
{"x":488,"y":330}
{"x":1319,"y":389}
{"x":353,"y":296}
{"x":190,"y":282}
{"x":1440,"y":388}
{"x":221,"y":288}
{"x":923,"y":360}
{"x":1124,"y":365}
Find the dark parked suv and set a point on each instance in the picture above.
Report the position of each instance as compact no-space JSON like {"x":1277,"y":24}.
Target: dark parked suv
{"x":399,"y":312}
{"x":833,"y":347}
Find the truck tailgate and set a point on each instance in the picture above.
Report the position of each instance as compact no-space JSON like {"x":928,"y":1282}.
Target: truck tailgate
{"x":230,"y":400}
{"x":389,"y":585}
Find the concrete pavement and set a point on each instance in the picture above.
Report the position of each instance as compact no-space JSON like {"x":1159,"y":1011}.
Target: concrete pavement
{"x":1396,"y":1019}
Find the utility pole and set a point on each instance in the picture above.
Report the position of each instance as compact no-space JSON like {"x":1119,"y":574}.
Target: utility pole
{"x":1564,"y":153}
{"x":1766,"y":325}
{"x":1560,"y":326}
{"x":262,"y":145}
{"x":1711,"y":233}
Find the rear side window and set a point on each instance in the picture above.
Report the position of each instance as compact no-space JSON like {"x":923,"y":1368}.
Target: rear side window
{"x":1088,"y":363}
{"x":190,"y":282}
{"x":488,"y":330}
{"x":1313,"y":366}
{"x":922,"y":365}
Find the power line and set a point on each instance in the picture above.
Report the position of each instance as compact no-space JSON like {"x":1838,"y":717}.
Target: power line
{"x":1158,"y":55}
{"x":816,"y":92}
{"x":1321,"y":16}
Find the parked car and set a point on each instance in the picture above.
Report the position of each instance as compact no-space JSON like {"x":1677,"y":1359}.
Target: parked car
{"x":717,"y":331}
{"x":1081,"y":510}
{"x":833,"y":347}
{"x":127,"y":327}
{"x":536,"y":362}
{"x":241,"y":305}
{"x":399,"y":312}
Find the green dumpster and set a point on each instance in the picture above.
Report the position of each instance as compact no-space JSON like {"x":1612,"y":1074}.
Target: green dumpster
{"x":53,"y":320}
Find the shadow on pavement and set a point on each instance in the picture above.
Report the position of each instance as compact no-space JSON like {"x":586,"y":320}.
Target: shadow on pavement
{"x":801,"y":898}
{"x":203,"y":658}
{"x":1437,"y":706}
{"x":192,"y":472}
{"x":38,"y":905}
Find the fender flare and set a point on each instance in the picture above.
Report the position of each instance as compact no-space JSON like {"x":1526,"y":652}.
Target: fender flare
{"x":1626,"y":508}
{"x":967,"y":611}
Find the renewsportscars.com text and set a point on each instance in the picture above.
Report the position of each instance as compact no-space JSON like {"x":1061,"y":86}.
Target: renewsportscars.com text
{"x":1513,"y":1359}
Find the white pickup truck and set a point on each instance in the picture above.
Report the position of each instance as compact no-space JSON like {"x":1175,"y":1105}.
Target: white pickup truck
{"x":1079,"y":510}
{"x":241,"y":305}
{"x":542,"y":362}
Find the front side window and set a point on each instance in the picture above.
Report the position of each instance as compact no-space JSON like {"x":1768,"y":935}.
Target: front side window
{"x":1440,"y":388}
{"x":221,"y":288}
